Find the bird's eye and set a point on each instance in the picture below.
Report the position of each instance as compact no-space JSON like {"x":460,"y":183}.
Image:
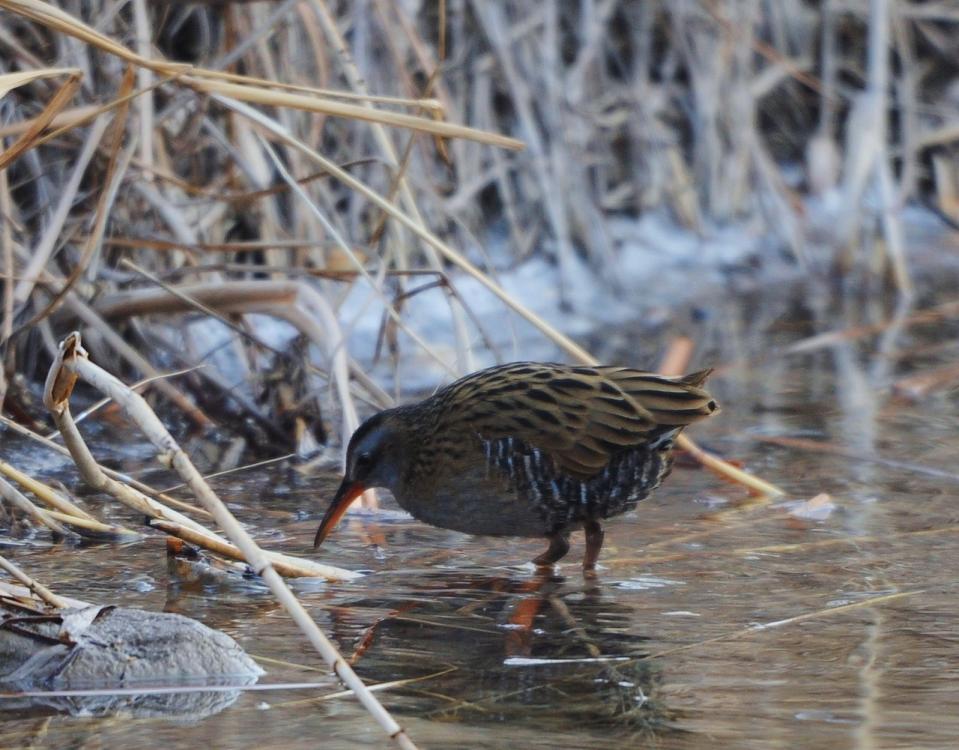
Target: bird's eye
{"x":364,"y":461}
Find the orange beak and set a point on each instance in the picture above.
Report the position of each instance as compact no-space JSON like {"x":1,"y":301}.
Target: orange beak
{"x":345,"y":495}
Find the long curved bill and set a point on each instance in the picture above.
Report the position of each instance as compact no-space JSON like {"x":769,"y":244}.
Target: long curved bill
{"x":345,"y":495}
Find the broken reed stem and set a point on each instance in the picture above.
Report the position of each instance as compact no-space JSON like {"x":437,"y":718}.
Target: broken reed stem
{"x":35,"y":587}
{"x":725,"y":469}
{"x":97,"y":528}
{"x":71,"y":364}
{"x":284,"y":565}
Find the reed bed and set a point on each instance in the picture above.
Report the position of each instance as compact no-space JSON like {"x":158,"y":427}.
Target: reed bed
{"x":218,"y":145}
{"x":173,"y":175}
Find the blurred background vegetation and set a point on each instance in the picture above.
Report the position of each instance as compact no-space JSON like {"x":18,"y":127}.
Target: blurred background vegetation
{"x":306,"y":149}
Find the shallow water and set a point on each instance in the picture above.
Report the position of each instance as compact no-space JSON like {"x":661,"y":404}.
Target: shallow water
{"x":716,"y":619}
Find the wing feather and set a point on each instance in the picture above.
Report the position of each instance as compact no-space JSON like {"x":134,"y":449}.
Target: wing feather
{"x":580,"y":416}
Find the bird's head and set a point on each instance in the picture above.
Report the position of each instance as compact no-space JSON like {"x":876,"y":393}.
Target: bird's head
{"x":376,"y":457}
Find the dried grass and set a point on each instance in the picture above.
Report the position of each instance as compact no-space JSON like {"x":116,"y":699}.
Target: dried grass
{"x":260,"y":150}
{"x":624,"y":108}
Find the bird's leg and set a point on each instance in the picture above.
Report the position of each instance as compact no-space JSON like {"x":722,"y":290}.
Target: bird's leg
{"x":594,"y":543}
{"x":558,"y":547}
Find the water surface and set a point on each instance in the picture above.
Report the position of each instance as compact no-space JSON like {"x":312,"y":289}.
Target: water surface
{"x":716,"y":619}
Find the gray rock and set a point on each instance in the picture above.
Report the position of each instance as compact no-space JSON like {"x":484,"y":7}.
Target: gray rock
{"x":108,"y":648}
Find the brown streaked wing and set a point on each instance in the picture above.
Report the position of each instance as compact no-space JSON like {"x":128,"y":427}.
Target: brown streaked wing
{"x":580,"y":416}
{"x":673,"y":401}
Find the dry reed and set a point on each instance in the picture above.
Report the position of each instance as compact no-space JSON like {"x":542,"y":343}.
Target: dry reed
{"x":134,"y":153}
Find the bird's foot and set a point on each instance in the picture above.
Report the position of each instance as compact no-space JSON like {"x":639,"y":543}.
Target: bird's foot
{"x":558,"y":547}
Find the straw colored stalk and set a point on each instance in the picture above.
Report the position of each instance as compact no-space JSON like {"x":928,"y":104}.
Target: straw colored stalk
{"x":210,"y":81}
{"x":271,"y":98}
{"x":63,"y":511}
{"x":144,"y":488}
{"x":68,"y":117}
{"x":10,"y":81}
{"x":285,"y":566}
{"x":60,"y":384}
{"x":144,"y":33}
{"x":72,"y":364}
{"x":20,"y":501}
{"x":43,"y":492}
{"x":36,"y":588}
{"x":94,"y":529}
{"x":676,"y":362}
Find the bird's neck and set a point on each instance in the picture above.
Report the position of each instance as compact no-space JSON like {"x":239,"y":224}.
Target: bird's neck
{"x":419,"y":426}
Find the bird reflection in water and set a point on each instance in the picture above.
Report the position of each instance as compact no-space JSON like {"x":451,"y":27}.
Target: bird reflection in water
{"x":541,"y":648}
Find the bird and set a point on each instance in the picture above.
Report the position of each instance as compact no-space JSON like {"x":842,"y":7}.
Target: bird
{"x":527,"y":449}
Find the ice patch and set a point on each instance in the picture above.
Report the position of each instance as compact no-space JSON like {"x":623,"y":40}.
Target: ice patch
{"x":643,"y":583}
{"x":524,"y":661}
